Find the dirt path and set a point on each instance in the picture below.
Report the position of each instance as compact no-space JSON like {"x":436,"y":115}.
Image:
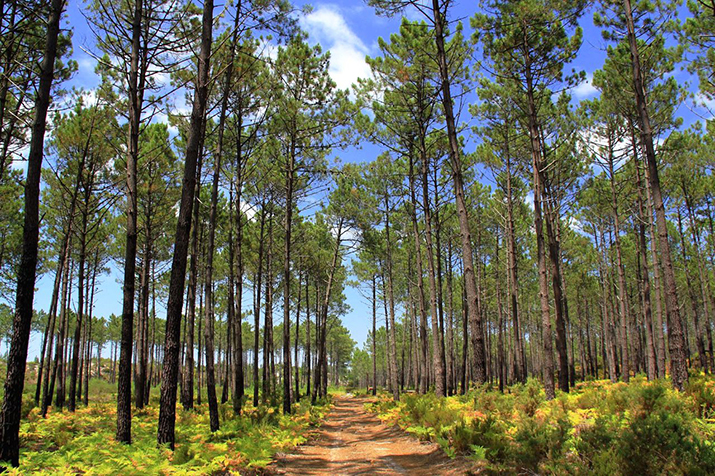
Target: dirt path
{"x":355,"y":442}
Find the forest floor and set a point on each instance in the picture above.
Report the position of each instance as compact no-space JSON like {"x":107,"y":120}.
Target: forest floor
{"x":353,"y":441}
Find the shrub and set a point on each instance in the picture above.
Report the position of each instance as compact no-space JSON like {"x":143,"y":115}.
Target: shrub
{"x":539,"y":440}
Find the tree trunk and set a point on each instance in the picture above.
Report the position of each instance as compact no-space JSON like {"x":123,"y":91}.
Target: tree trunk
{"x":451,"y":373}
{"x":170,"y":371}
{"x":124,"y":385}
{"x":257,"y":306}
{"x":437,"y":342}
{"x":208,"y":289}
{"x":456,"y":164}
{"x":25,"y":293}
{"x":307,"y":335}
{"x":622,"y":295}
{"x":268,"y":374}
{"x":374,"y":335}
{"x":289,"y":178}
{"x":322,"y":367}
{"x":424,"y":341}
{"x":547,"y":366}
{"x":238,"y":377}
{"x":702,"y":273}
{"x":699,"y":337}
{"x":142,"y":326}
{"x":520,"y":359}
{"x":676,"y":341}
{"x":392,"y":343}
{"x":651,"y":367}
{"x":187,"y":397}
{"x":62,"y":271}
{"x":500,"y":311}
{"x":297,"y":340}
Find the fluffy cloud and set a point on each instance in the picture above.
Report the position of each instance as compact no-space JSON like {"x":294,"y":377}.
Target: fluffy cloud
{"x":585,"y":89}
{"x":707,"y":103}
{"x":327,"y":26}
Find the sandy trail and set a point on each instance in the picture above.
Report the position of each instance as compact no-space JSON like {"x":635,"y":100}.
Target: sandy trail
{"x":355,"y":442}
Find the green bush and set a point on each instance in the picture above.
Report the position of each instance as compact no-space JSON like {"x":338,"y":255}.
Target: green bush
{"x":487,"y":433}
{"x":701,"y":390}
{"x":599,"y":428}
{"x":540,"y":441}
{"x":651,"y":430}
{"x":531,"y":395}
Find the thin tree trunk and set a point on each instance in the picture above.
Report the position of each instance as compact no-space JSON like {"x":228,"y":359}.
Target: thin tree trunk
{"x":651,"y":367}
{"x":170,"y":371}
{"x":622,"y":295}
{"x":297,"y":340}
{"x":257,"y":306}
{"x":231,"y":318}
{"x":25,"y":293}
{"x":699,"y":337}
{"x":451,"y":373}
{"x":513,"y":279}
{"x":547,"y":366}
{"x":124,"y":385}
{"x":289,"y":179}
{"x":392,"y":343}
{"x":701,"y":274}
{"x":238,"y":377}
{"x":374,"y":335}
{"x":322,"y":367}
{"x":142,"y":326}
{"x":62,"y":271}
{"x":208,"y":290}
{"x":424,"y":342}
{"x":676,"y":341}
{"x":307,"y":335}
{"x":437,"y":342}
{"x":74,"y":373}
{"x":456,"y":164}
{"x":268,"y":374}
{"x":187,"y":397}
{"x":500,"y":311}
{"x":657,"y":280}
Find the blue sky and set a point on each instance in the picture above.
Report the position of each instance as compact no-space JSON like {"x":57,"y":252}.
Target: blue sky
{"x":349,"y":30}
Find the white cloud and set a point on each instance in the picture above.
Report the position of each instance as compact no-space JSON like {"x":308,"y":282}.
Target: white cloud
{"x":90,"y":97}
{"x":86,"y":64}
{"x":413,"y":13}
{"x":575,"y":224}
{"x":595,"y":143}
{"x":162,"y":79}
{"x":705,"y":102}
{"x":529,"y":199}
{"x":267,"y":49}
{"x":585,"y":89}
{"x":327,"y":26}
{"x":248,"y":210}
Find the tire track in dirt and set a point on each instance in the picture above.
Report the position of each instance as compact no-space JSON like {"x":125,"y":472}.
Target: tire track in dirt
{"x":355,"y":442}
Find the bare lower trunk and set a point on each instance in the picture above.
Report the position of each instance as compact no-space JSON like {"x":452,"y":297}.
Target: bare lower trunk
{"x":24,"y":296}
{"x":456,"y":165}
{"x":437,"y":342}
{"x":124,"y":385}
{"x":170,"y":371}
{"x":676,"y":340}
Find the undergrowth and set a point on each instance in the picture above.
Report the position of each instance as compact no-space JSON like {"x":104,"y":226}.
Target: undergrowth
{"x":640,"y":428}
{"x":83,"y":442}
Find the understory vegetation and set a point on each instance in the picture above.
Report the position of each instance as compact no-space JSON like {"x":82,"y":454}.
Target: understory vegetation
{"x":83,"y":442}
{"x":599,"y":428}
